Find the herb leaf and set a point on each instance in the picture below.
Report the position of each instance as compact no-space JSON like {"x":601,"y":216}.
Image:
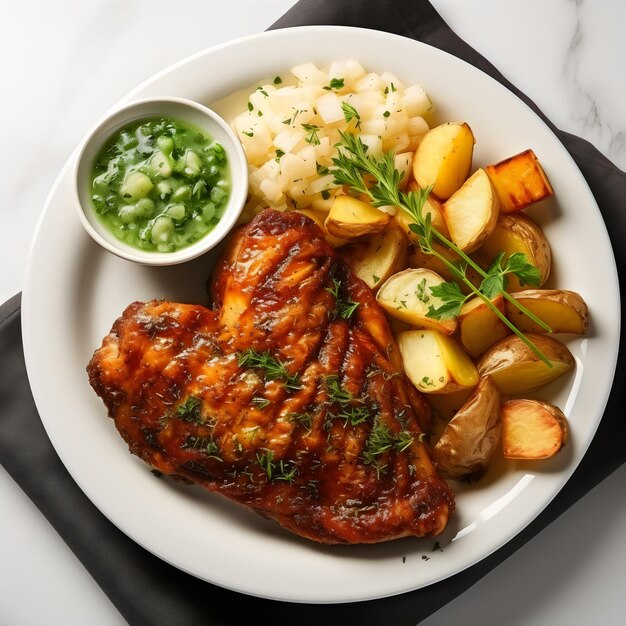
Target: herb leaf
{"x":343,"y":308}
{"x":350,"y":113}
{"x":335,"y":83}
{"x":273,"y":368}
{"x":312,"y":137}
{"x":452,"y":298}
{"x":189,"y":411}
{"x":352,"y":165}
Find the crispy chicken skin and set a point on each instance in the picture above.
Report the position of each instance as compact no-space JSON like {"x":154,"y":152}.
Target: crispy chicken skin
{"x":277,"y":397}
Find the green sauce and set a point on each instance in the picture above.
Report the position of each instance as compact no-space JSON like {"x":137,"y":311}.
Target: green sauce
{"x":160,"y":185}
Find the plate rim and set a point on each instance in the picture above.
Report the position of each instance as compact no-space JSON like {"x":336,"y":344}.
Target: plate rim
{"x":134,"y":93}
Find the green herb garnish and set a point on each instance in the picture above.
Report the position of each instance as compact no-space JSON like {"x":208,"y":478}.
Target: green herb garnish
{"x":343,"y":308}
{"x":189,"y":411}
{"x":312,"y":131}
{"x":335,"y":83}
{"x":353,"y":163}
{"x":205,"y":445}
{"x":350,"y":113}
{"x":272,"y":367}
{"x":281,"y":470}
{"x":381,"y":440}
{"x":260,"y":402}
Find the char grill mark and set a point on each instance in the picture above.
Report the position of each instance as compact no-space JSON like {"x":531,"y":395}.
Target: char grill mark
{"x":335,"y":456}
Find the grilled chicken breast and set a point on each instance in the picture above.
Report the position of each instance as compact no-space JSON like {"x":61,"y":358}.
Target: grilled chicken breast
{"x":286,"y":395}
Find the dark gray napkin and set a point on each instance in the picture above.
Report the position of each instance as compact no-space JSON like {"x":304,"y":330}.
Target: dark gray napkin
{"x":148,"y":591}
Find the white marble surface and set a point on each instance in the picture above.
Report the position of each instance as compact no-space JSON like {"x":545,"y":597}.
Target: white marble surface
{"x":65,"y":63}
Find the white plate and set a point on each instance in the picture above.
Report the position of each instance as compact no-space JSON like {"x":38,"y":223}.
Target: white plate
{"x":74,"y":290}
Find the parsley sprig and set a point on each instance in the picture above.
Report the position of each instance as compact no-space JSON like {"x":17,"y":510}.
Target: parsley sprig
{"x":353,"y":164}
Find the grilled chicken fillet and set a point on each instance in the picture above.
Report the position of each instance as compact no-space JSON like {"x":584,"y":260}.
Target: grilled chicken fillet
{"x":286,"y":395}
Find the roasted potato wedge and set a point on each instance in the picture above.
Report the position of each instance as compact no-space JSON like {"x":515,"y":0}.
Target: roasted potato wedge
{"x":472,"y":211}
{"x":445,"y":405}
{"x":532,"y":429}
{"x":319,"y":217}
{"x":520,"y":181}
{"x":479,"y":327}
{"x":436,"y":363}
{"x":516,"y":369}
{"x":432,"y":207}
{"x":563,"y":311}
{"x":350,"y":218}
{"x":472,"y":435}
{"x":407,"y":296}
{"x":516,"y":232}
{"x":444,"y":158}
{"x":376,"y":257}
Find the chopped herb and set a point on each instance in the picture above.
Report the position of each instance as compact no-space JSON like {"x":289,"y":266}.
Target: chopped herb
{"x":325,"y":194}
{"x":266,"y":461}
{"x":248,"y":133}
{"x":287,"y":121}
{"x":354,"y":415}
{"x":344,"y":308}
{"x":437,"y":547}
{"x":347,"y":309}
{"x":303,"y":419}
{"x":260,"y":113}
{"x":350,"y":113}
{"x":273,"y":368}
{"x":260,"y":402}
{"x":386,"y":114}
{"x":420,"y":292}
{"x":205,"y":445}
{"x":250,"y":106}
{"x":278,"y":80}
{"x":279,"y":153}
{"x":322,"y":170}
{"x":427,"y":382}
{"x":189,"y":411}
{"x":312,"y":131}
{"x":404,"y":439}
{"x":199,"y":189}
{"x":375,"y":278}
{"x":297,"y":112}
{"x":381,"y":440}
{"x":335,"y":83}
{"x":336,"y":393}
{"x":283,"y":470}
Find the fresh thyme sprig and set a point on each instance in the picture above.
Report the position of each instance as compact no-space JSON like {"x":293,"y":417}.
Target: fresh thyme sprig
{"x":353,"y":164}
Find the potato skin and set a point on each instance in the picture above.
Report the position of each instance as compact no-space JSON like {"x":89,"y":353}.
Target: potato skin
{"x":517,"y":232}
{"x":516,"y":369}
{"x":472,"y":435}
{"x":564,"y":311}
{"x":375,"y":258}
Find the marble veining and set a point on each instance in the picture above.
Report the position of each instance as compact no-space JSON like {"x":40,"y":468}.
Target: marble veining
{"x":590,"y":104}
